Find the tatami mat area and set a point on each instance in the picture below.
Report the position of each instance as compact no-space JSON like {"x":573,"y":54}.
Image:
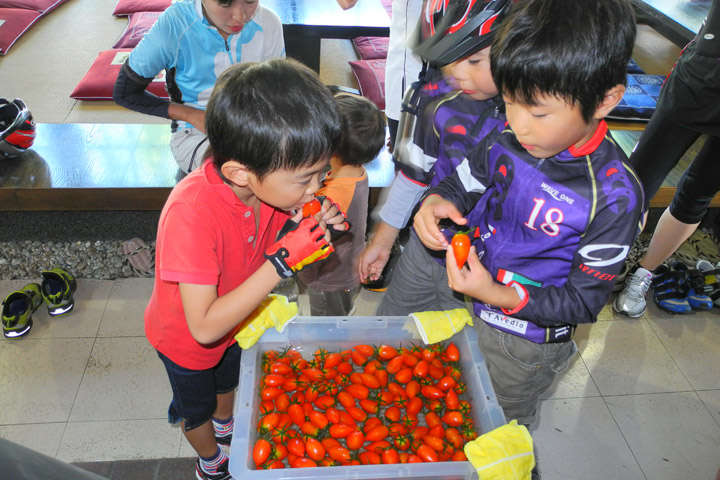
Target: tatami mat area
{"x":640,"y":402}
{"x":49,"y":60}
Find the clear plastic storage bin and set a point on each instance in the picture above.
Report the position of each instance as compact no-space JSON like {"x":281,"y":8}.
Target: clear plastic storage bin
{"x":306,"y":334}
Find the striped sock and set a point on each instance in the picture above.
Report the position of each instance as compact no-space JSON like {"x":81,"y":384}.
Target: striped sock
{"x":210,"y":465}
{"x":223,"y":428}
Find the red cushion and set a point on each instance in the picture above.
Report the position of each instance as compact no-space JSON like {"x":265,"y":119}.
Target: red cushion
{"x":388,"y":6}
{"x":138,"y":25}
{"x":42,"y":6}
{"x":13,"y":23}
{"x":370,"y":76}
{"x":128,"y":7}
{"x":371,"y":48}
{"x":98,"y":82}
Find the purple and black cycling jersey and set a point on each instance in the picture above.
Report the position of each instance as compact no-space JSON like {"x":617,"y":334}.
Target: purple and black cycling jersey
{"x":560,"y":227}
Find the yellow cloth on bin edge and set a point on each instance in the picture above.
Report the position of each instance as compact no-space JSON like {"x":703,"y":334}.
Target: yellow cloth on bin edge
{"x":505,"y":453}
{"x":440,"y":325}
{"x":274,"y":311}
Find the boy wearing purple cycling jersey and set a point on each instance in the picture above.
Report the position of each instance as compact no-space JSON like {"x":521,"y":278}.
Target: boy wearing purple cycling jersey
{"x":555,"y":205}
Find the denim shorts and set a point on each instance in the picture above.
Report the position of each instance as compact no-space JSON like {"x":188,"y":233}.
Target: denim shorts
{"x":195,"y":391}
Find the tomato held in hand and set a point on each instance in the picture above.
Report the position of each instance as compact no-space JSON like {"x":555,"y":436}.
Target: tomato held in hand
{"x":311,"y":208}
{"x":461,"y":247}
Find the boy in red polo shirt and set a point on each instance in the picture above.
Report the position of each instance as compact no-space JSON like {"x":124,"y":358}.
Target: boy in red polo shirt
{"x":226,"y":237}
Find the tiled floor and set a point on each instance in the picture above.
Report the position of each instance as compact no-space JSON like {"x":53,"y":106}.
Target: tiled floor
{"x":641,"y":401}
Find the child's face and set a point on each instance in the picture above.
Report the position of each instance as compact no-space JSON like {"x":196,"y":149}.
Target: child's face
{"x":472,"y":75}
{"x":549,"y":127}
{"x":230,"y":19}
{"x":289,"y":189}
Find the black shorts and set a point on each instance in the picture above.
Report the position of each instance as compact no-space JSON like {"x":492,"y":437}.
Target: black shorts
{"x":195,"y":391}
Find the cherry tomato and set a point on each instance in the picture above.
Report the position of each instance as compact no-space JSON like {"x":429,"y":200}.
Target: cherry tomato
{"x":339,"y":453}
{"x":453,"y":418}
{"x":296,"y":447}
{"x":436,"y":443}
{"x":395,"y":365}
{"x":358,"y":392}
{"x":314,"y":449}
{"x":386,"y":352}
{"x":311,"y":208}
{"x":426,"y":453}
{"x":365,"y":350}
{"x":390,"y":456}
{"x":303,"y":462}
{"x":460,"y":244}
{"x":341,"y":431}
{"x":277,"y":464}
{"x":393,"y":413}
{"x":428,"y":391}
{"x":421,"y":368}
{"x":318,"y":419}
{"x":261,"y":451}
{"x":355,"y":440}
{"x":452,"y":353}
{"x":297,"y":414}
{"x":404,"y":375}
{"x":377,"y":433}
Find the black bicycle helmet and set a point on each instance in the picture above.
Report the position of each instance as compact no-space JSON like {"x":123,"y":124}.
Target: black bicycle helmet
{"x":17,"y":128}
{"x":449,"y":30}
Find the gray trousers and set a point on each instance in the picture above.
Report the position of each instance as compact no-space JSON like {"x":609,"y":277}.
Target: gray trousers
{"x":418,"y":284}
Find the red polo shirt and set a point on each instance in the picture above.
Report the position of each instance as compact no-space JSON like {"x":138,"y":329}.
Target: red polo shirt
{"x":206,"y":236}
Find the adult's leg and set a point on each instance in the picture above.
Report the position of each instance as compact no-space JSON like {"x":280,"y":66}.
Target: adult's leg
{"x":660,"y":147}
{"x":695,"y":191}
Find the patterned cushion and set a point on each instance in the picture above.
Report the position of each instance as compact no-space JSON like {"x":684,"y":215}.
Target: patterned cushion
{"x":99,"y":81}
{"x":128,"y":7}
{"x":370,"y":75}
{"x":138,"y":25}
{"x":640,"y":98}
{"x":371,"y":48}
{"x":13,"y":23}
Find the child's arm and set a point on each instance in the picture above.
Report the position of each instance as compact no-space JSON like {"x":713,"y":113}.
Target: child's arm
{"x":477,"y":282}
{"x":210,"y":317}
{"x":432,"y":210}
{"x":376,"y":255}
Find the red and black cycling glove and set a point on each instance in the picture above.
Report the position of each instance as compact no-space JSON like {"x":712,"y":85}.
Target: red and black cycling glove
{"x":298,"y":245}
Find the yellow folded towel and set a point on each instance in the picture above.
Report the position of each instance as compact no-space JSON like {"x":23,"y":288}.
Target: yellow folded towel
{"x":275,"y":311}
{"x":505,"y":453}
{"x":438,"y":326}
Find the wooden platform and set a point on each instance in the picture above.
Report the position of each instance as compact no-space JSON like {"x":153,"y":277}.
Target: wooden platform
{"x":129,"y":167}
{"x":106,"y":167}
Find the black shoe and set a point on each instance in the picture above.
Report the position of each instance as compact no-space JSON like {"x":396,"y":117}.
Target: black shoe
{"x":222,"y":473}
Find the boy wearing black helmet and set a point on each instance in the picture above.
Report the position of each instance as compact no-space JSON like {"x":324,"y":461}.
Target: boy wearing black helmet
{"x":456,"y":36}
{"x":557,"y":205}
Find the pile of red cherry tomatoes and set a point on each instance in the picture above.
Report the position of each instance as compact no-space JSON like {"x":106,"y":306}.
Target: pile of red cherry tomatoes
{"x":364,"y":405}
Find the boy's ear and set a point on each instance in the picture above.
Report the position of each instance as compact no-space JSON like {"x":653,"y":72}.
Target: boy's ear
{"x":610,"y":100}
{"x":235,"y":172}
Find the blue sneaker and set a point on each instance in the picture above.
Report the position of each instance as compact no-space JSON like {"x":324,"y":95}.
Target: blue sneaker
{"x":18,"y":308}
{"x":58,"y":287}
{"x":670,"y":288}
{"x":698,"y":292}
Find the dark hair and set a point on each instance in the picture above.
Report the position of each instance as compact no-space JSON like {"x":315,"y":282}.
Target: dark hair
{"x":572,"y":49}
{"x":271,"y":115}
{"x":363,"y":129}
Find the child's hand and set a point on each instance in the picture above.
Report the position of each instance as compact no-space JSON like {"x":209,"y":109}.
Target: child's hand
{"x":333,"y":217}
{"x":474,"y":281}
{"x":477,"y":282}
{"x":372,"y":262}
{"x":434,"y":209}
{"x":301,"y":242}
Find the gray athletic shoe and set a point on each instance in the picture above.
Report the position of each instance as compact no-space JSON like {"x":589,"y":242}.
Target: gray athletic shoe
{"x":633,"y":298}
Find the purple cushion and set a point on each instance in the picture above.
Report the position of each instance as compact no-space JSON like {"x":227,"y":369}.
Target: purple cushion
{"x":99,"y":81}
{"x":371,"y":48}
{"x":138,"y":25}
{"x":370,"y":75}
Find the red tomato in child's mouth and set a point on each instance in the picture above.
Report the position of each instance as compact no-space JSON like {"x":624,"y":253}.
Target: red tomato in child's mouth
{"x":311,"y":208}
